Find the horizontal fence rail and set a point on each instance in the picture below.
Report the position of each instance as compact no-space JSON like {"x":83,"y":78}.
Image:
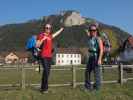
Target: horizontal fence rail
{"x":22,"y":68}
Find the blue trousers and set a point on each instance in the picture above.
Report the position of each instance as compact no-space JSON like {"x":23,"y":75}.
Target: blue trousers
{"x":46,"y":63}
{"x":92,"y":65}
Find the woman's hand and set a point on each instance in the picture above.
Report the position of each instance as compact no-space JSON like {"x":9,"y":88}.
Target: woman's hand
{"x":62,"y":28}
{"x":87,"y":32}
{"x":99,"y":61}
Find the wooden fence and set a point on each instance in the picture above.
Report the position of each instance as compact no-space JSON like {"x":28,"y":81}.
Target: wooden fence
{"x":73,"y":69}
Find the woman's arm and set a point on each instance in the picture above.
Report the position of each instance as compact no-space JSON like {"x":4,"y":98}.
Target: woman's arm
{"x":87,"y":32}
{"x":101,"y":51}
{"x":58,"y":32}
{"x":39,"y":42}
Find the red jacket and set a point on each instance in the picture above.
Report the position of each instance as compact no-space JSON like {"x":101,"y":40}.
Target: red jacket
{"x":46,"y":50}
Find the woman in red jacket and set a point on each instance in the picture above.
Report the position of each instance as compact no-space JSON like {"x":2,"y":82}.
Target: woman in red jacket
{"x":45,"y":41}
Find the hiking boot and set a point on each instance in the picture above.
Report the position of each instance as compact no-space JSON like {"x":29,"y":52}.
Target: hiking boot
{"x":44,"y":91}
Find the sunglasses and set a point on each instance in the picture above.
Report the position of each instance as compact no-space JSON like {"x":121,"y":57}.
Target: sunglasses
{"x":47,"y":28}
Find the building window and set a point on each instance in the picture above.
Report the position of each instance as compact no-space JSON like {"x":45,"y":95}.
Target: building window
{"x":71,"y":62}
{"x":67,"y":55}
{"x":58,"y":61}
{"x":62,"y":61}
{"x":71,"y":55}
{"x":58,"y":55}
{"x":78,"y":55}
{"x":75,"y":61}
{"x":62,"y":55}
{"x":75,"y":55}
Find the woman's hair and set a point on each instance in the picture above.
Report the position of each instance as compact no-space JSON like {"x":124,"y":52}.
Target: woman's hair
{"x":94,"y":25}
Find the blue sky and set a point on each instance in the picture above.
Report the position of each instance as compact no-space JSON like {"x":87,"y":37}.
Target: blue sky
{"x":112,"y":12}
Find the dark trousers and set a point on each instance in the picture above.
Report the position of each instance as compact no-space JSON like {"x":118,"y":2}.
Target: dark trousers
{"x":46,"y":63}
{"x":92,"y":65}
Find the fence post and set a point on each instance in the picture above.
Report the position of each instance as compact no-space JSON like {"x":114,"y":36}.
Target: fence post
{"x":23,"y":78}
{"x":120,"y":67}
{"x":73,"y":75}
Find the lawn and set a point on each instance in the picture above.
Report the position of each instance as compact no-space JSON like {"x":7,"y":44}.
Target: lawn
{"x":107,"y":92}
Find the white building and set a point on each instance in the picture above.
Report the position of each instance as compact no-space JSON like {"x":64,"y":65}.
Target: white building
{"x":67,"y":56}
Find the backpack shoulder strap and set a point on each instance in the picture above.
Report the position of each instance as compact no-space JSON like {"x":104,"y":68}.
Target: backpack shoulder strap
{"x":98,"y":40}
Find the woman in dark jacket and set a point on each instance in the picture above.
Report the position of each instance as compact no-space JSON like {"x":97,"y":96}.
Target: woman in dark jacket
{"x":95,"y":48}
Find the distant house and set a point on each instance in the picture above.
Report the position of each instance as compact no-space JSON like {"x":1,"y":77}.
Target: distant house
{"x":67,"y":56}
{"x":14,"y":57}
{"x":11,"y":58}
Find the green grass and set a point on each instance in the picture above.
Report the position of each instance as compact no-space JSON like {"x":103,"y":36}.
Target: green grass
{"x":107,"y":92}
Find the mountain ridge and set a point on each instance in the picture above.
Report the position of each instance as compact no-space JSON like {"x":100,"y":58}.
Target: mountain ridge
{"x":14,"y":36}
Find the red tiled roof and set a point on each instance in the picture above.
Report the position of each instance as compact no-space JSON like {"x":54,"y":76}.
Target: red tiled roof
{"x":69,"y":50}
